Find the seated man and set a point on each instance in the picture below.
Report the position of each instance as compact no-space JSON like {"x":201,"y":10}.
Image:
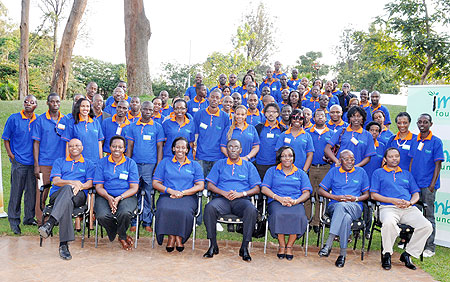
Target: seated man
{"x":70,"y":176}
{"x":397,"y":191}
{"x":233,"y":180}
{"x":349,"y":185}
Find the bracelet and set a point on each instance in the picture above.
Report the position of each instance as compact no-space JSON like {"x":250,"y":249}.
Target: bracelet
{"x":121,"y":197}
{"x":356,"y":199}
{"x":182,"y":192}
{"x":165,"y":190}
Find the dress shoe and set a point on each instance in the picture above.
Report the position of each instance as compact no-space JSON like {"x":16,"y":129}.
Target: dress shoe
{"x":340,"y":261}
{"x":64,"y":252}
{"x":45,"y":230}
{"x":243,"y":252}
{"x":316,"y":229}
{"x":406,"y":258}
{"x":179,"y":249}
{"x":281,"y":255}
{"x":130,"y":240}
{"x":386,"y":261}
{"x":125,"y":245}
{"x":289,"y":257}
{"x":133,"y":229}
{"x":32,"y":222}
{"x":170,"y":249}
{"x":325,"y":251}
{"x":213,"y":250}
{"x":16,"y":229}
{"x":148,"y":229}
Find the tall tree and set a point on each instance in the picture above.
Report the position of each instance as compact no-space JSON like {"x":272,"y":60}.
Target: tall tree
{"x":309,"y":66}
{"x":23,"y":57}
{"x":62,"y":66}
{"x":137,"y":35}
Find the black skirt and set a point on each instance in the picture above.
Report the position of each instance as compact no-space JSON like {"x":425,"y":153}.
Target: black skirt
{"x":286,"y":220}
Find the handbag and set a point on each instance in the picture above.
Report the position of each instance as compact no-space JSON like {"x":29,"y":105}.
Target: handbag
{"x":334,"y":149}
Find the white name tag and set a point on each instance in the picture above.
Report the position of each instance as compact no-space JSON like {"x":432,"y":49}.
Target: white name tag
{"x":354,"y":141}
{"x":406,"y":147}
{"x":420,"y":147}
{"x":61,"y":126}
{"x":335,"y":130}
{"x":118,"y":130}
{"x":270,"y":135}
{"x":287,"y":140}
{"x":204,"y":126}
{"x":195,"y":110}
{"x":147,"y":137}
{"x":123,"y":176}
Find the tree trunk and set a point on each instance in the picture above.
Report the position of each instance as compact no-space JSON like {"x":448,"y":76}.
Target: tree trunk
{"x":137,"y":35}
{"x":24,"y":45}
{"x":62,"y":66}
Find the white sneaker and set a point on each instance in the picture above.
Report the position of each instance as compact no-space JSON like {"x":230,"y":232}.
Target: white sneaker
{"x":428,"y":253}
{"x":401,"y":245}
{"x":219,"y":227}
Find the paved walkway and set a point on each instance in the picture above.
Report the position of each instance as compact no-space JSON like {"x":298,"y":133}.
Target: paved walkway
{"x":22,"y":259}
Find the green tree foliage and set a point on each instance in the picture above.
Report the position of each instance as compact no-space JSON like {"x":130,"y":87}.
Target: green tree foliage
{"x":174,"y":78}
{"x":306,"y":63}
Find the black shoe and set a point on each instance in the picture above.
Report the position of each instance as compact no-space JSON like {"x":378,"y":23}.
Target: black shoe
{"x":32,"y":222}
{"x":45,"y":230}
{"x":340,"y":261}
{"x":283,"y":255}
{"x":64,"y":252}
{"x":386,"y":261}
{"x":289,"y":257}
{"x":180,"y":249}
{"x":170,"y":249}
{"x":243,"y":252}
{"x":406,"y":258}
{"x":213,"y":250}
{"x":325,"y":251}
{"x":316,"y":229}
{"x":16,"y":229}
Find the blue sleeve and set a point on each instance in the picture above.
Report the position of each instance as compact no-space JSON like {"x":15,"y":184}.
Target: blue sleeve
{"x":280,"y":141}
{"x":192,"y":133}
{"x":213,"y":175}
{"x":223,"y":139}
{"x":370,"y":148}
{"x":387,"y":119}
{"x":160,"y":137}
{"x":375,"y":183}
{"x":90,"y":172}
{"x":413,"y":188}
{"x":100,"y":131}
{"x":255,"y":136}
{"x":335,"y":138}
{"x":438,"y":151}
{"x":268,"y":178}
{"x":197,"y":121}
{"x":67,"y":134}
{"x":99,"y":177}
{"x":36,"y":130}
{"x":413,"y":148}
{"x":198,"y":172}
{"x":9,"y":128}
{"x":365,"y":184}
{"x":160,"y":171}
{"x":253,"y":178}
{"x":326,"y":181}
{"x":56,"y":168}
{"x":309,"y":144}
{"x":306,"y":184}
{"x":389,"y":142}
{"x":133,"y":176}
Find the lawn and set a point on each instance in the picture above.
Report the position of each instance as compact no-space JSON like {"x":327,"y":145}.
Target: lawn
{"x":438,"y":266}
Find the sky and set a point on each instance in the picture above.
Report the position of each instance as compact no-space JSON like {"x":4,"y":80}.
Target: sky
{"x":208,"y":26}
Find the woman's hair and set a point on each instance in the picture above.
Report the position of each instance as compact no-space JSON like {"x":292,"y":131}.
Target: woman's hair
{"x":299,"y":103}
{"x":115,"y":137}
{"x":233,"y":124}
{"x":373,"y":123}
{"x":76,"y":110}
{"x":295,"y":113}
{"x":229,"y":88}
{"x":179,"y":101}
{"x":174,"y":143}
{"x":378,"y":111}
{"x":243,"y":79}
{"x":353,"y":100}
{"x":274,"y":105}
{"x":281,"y":150}
{"x":403,"y":114}
{"x":357,"y":109}
{"x":390,"y":149}
{"x":157,"y":97}
{"x":314,"y":83}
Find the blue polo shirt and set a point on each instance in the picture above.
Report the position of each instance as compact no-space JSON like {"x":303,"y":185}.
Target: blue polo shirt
{"x":110,"y":100}
{"x":278,"y":75}
{"x":255,"y":118}
{"x":63,"y":123}
{"x":178,"y":176}
{"x":167,"y":110}
{"x":210,"y":128}
{"x":371,"y":109}
{"x":145,"y":137}
{"x":18,"y":129}
{"x":268,"y":139}
{"x":290,"y":185}
{"x":51,"y":146}
{"x":89,"y":133}
{"x":423,"y":159}
{"x":376,"y":160}
{"x":340,"y":182}
{"x":320,"y":140}
{"x":399,"y":184}
{"x":116,"y":178}
{"x":248,"y":137}
{"x":333,"y":100}
{"x":312,"y":104}
{"x":111,"y":128}
{"x":403,"y":145}
{"x":172,"y":130}
{"x":241,"y":176}
{"x":191,"y":92}
{"x":158,"y":118}
{"x":66,"y":168}
{"x":195,"y":105}
{"x":301,"y":143}
{"x":294,"y":83}
{"x":363,"y":146}
{"x":132,"y":118}
{"x":111,"y":109}
{"x":274,"y":85}
{"x":385,"y":135}
{"x":243,"y":91}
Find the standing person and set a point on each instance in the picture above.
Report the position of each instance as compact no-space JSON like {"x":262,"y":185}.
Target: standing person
{"x":294,"y":100}
{"x":118,"y":95}
{"x":122,"y":84}
{"x":135,"y":109}
{"x":271,"y":82}
{"x":335,"y":123}
{"x":364,"y":99}
{"x":345,"y":96}
{"x":145,"y":146}
{"x":166,"y":109}
{"x":199,"y":102}
{"x":313,"y":102}
{"x":115,"y":125}
{"x":284,"y":97}
{"x":91,"y":90}
{"x":323,"y":105}
{"x":19,"y":148}
{"x":97,"y":107}
{"x":254,"y":116}
{"x":336,"y":90}
{"x":285,"y":121}
{"x":277,"y":73}
{"x":157,"y":116}
{"x":307,"y":113}
{"x":191,"y":92}
{"x":352,"y":103}
{"x":222,"y":82}
{"x":47,"y":147}
{"x":232,"y":83}
{"x":294,"y":81}
{"x":426,"y":160}
{"x":227,"y":104}
{"x":403,"y":139}
{"x":332,"y":99}
{"x":385,"y":133}
{"x":375,"y":106}
{"x":67,"y":120}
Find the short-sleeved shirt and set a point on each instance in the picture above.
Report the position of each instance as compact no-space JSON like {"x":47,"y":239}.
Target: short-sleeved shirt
{"x":158,"y":118}
{"x":132,"y":118}
{"x":18,"y":130}
{"x":320,"y":141}
{"x":399,"y":184}
{"x":210,"y":128}
{"x":110,"y":128}
{"x":290,"y":185}
{"x":51,"y":146}
{"x":66,"y":168}
{"x":247,"y":136}
{"x":335,"y":127}
{"x":385,"y":135}
{"x":375,"y":160}
{"x":145,"y":137}
{"x":424,"y":154}
{"x":255,"y":118}
{"x":311,"y":104}
{"x":278,"y":75}
{"x":191,"y":92}
{"x":294,"y":83}
{"x":116,"y":178}
{"x":110,"y":100}
{"x":111,"y":109}
{"x":268,"y":138}
{"x":167,"y":110}
{"x":89,"y":133}
{"x":241,"y":176}
{"x":194,"y":105}
{"x":301,"y":143}
{"x":371,"y":109}
{"x":274,"y":85}
{"x":172,"y":130}
{"x":403,"y":145}
{"x":178,"y":176}
{"x":64,"y":122}
{"x":341,"y":182}
{"x":362,"y":145}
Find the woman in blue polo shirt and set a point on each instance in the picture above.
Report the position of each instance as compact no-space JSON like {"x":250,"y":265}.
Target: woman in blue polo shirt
{"x":403,"y":139}
{"x":178,"y":179}
{"x":116,"y":182}
{"x":88,"y":130}
{"x":242,"y":131}
{"x":157,"y":116}
{"x":299,"y":140}
{"x":385,"y":134}
{"x":287,"y":188}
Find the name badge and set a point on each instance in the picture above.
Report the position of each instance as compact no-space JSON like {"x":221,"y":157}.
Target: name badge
{"x":61,"y":126}
{"x":204,"y":126}
{"x":270,"y":135}
{"x":406,"y":147}
{"x":420,"y":147}
{"x":123,"y":176}
{"x":195,"y":110}
{"x":118,"y":130}
{"x":147,"y":137}
{"x":354,"y":141}
{"x":335,"y":130}
{"x":287,"y":140}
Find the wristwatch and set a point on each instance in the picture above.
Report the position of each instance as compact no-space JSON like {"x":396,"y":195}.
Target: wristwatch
{"x":356,"y":199}
{"x":244,"y":193}
{"x":121,"y":197}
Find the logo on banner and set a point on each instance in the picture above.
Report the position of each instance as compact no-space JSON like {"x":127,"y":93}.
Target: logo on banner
{"x":440,"y":104}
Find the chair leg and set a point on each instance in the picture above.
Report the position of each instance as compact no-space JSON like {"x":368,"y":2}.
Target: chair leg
{"x":371,"y":236}
{"x":40,"y":241}
{"x":265,"y":235}
{"x":96,"y":233}
{"x":363,"y":243}
{"x":356,"y":240}
{"x":194,"y":229}
{"x":137,"y":232}
{"x":323,"y":236}
{"x":154,"y":231}
{"x":318,"y":234}
{"x":307,"y":238}
{"x":84,"y":230}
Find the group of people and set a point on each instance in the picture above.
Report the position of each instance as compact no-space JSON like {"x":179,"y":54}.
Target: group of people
{"x":281,"y":138}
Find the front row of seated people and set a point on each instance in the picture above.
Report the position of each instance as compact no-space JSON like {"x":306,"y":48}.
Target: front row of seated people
{"x":233,"y":181}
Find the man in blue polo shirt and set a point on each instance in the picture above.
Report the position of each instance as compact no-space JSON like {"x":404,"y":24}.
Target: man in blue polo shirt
{"x":222,"y":82}
{"x":190,"y":92}
{"x":47,"y":146}
{"x":19,"y":148}
{"x":277,"y":73}
{"x":294,"y":81}
{"x":166,"y":109}
{"x":427,"y":155}
{"x":335,"y":123}
{"x":272,"y":83}
{"x":91,"y":90}
{"x":70,"y":175}
{"x":115,"y":125}
{"x":232,"y":82}
{"x":313,"y":102}
{"x":376,"y":106}
{"x":232,"y":180}
{"x":97,"y":107}
{"x":122,"y":84}
{"x":118,"y":96}
{"x":397,"y":191}
{"x":145,"y":146}
{"x":199,"y":102}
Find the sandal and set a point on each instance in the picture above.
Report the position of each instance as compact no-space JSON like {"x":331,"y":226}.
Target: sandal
{"x":289,"y":257}
{"x":282,"y":255}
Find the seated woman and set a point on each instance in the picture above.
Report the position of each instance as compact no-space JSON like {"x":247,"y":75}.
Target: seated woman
{"x":178,"y":179}
{"x":116,"y":182}
{"x":287,"y":188}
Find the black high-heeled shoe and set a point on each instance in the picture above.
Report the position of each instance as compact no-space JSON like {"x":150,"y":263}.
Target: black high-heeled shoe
{"x":283,"y":255}
{"x":289,"y":257}
{"x":170,"y":249}
{"x":180,"y":249}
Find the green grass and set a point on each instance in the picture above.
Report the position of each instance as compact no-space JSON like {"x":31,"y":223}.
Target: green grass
{"x":437,"y":266}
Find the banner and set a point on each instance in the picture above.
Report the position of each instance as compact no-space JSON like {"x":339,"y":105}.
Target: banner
{"x":2,"y":206}
{"x":435,"y":100}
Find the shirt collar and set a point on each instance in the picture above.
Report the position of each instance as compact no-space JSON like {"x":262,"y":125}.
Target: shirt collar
{"x":166,"y":107}
{"x":229,"y":162}
{"x":293,"y":170}
{"x":157,"y":115}
{"x":88,"y":121}
{"x":364,"y":105}
{"x":377,"y":108}
{"x":125,"y":123}
{"x":122,"y":160}
{"x":302,"y":131}
{"x":277,"y":124}
{"x":341,"y":170}
{"x":252,"y":114}
{"x":139,"y":122}
{"x":398,"y":169}
{"x":216,"y":114}
{"x":130,"y":116}
{"x":349,"y":129}
{"x":312,"y":99}
{"x":69,"y":159}
{"x":47,"y":115}
{"x":197,"y":101}
{"x":185,"y":122}
{"x":408,"y":136}
{"x":186,"y":161}
{"x":309,"y":126}
{"x":338,"y":124}
{"x":313,"y":128}
{"x":427,"y":138}
{"x":292,"y":79}
{"x":33,"y":118}
{"x":376,"y":143}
